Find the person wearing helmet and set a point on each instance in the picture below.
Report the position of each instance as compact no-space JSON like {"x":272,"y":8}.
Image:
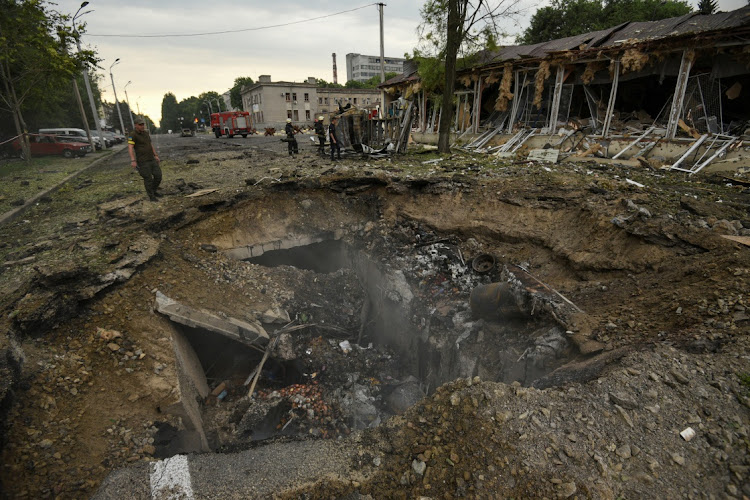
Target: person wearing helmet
{"x":290,"y":139}
{"x":320,"y":131}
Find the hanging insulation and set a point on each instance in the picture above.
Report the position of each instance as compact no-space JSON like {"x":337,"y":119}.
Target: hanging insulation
{"x":504,"y":93}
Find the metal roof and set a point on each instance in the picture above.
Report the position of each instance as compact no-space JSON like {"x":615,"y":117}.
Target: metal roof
{"x":633,"y":32}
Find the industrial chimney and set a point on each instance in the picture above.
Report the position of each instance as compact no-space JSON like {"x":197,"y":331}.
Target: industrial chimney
{"x":335,"y":76}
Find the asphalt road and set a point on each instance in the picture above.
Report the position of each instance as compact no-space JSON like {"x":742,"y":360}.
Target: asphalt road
{"x":256,"y":473}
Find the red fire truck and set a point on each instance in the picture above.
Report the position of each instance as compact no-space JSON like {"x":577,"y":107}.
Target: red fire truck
{"x":231,"y":123}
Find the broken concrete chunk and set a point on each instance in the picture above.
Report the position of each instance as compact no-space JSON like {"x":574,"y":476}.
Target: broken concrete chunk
{"x":549,"y":155}
{"x":404,"y":396}
{"x":275,"y":315}
{"x":236,"y":329}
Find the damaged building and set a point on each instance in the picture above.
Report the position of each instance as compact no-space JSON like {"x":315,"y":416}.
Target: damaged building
{"x":669,"y":92}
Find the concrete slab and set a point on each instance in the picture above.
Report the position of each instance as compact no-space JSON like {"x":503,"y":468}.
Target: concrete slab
{"x":233,"y":328}
{"x":549,"y":155}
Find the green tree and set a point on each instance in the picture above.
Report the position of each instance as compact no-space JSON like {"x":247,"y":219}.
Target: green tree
{"x":169,"y":111}
{"x":453,"y":27}
{"x":34,"y":59}
{"x":564,"y":18}
{"x":319,"y":82}
{"x":235,"y":97}
{"x":707,"y":6}
{"x":374,"y":81}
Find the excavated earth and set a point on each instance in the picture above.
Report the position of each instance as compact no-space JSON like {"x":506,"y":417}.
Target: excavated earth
{"x":642,"y":335}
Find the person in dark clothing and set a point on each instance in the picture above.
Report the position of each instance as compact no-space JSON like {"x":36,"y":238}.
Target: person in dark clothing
{"x":144,"y":159}
{"x":335,"y":146}
{"x":321,"y":133}
{"x":290,"y":139}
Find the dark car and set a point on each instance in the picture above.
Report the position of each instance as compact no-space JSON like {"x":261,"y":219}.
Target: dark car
{"x":42,"y":144}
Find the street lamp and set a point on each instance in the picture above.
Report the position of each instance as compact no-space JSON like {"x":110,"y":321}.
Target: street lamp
{"x":117,"y":104}
{"x":94,"y":111}
{"x":130,"y":111}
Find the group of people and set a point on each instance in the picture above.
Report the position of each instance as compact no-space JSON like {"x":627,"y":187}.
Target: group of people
{"x":145,"y":160}
{"x":320,"y":133}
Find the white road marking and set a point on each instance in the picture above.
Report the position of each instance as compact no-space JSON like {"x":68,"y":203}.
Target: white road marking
{"x":170,"y":479}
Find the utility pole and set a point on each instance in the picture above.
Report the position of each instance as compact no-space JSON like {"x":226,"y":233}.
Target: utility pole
{"x":117,"y":104}
{"x":83,"y":115}
{"x":94,"y":111}
{"x":382,"y":60}
{"x":130,"y":111}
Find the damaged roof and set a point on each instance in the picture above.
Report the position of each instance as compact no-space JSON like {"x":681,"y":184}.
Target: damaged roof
{"x":633,"y":32}
{"x":409,"y":75}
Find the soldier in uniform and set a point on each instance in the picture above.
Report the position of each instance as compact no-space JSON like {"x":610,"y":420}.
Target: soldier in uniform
{"x":335,"y":146}
{"x":143,"y":158}
{"x":290,"y":139}
{"x":321,"y":133}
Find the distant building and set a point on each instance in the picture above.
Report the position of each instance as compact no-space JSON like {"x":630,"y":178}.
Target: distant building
{"x":227,"y":98}
{"x":271,"y":103}
{"x":361,"y":68}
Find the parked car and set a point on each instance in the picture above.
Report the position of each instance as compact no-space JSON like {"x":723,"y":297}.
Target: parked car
{"x":187,"y":132}
{"x":79,"y":140}
{"x":78,"y":133}
{"x":114,"y":137}
{"x":107,"y":142}
{"x":43,"y":144}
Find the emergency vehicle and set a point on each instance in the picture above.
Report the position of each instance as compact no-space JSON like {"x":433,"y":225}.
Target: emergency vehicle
{"x":231,"y":123}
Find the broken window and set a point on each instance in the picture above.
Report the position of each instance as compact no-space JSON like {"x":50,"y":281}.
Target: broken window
{"x":294,"y":96}
{"x":307,"y":114}
{"x":296,"y":115}
{"x":288,"y":97}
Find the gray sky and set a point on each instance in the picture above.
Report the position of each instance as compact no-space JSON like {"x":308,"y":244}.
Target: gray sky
{"x":275,"y":42}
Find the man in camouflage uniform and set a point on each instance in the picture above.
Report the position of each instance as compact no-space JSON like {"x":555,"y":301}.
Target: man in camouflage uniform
{"x":143,"y":158}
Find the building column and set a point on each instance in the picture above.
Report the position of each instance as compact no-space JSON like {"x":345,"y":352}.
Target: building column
{"x":555,"y":110}
{"x":612,"y":98}
{"x":679,"y":93}
{"x":517,"y":91}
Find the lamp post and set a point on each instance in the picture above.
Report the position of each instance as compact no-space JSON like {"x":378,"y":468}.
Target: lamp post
{"x":117,"y":104}
{"x":94,"y":111}
{"x":130,"y":111}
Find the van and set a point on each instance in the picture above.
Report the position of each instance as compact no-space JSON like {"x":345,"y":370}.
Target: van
{"x":71,"y":132}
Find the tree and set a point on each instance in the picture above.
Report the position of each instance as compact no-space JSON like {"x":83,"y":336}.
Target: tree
{"x":169,"y":111}
{"x":319,"y":82}
{"x":707,"y":6}
{"x":34,"y":58}
{"x":564,"y":18}
{"x":370,"y":83}
{"x":235,"y":96}
{"x":452,"y":26}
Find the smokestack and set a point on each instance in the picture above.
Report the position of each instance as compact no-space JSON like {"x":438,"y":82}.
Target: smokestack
{"x":335,"y":76}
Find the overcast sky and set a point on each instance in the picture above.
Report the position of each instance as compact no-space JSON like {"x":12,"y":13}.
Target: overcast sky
{"x":280,"y":38}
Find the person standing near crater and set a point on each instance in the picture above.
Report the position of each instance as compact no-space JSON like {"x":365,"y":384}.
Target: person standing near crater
{"x":144,"y":159}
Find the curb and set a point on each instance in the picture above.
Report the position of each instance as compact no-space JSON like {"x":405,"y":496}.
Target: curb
{"x":12,"y":214}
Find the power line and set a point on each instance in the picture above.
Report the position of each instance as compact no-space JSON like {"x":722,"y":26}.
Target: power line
{"x":237,"y":31}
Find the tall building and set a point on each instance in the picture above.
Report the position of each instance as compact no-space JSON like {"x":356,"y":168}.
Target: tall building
{"x":361,"y":68}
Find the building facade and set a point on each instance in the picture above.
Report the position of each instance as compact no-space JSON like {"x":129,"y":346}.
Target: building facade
{"x":271,"y":103}
{"x":361,"y":68}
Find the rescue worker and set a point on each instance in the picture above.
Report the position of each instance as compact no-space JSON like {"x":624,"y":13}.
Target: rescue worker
{"x":144,"y":159}
{"x":335,"y":146}
{"x":321,"y":133}
{"x":290,"y":140}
